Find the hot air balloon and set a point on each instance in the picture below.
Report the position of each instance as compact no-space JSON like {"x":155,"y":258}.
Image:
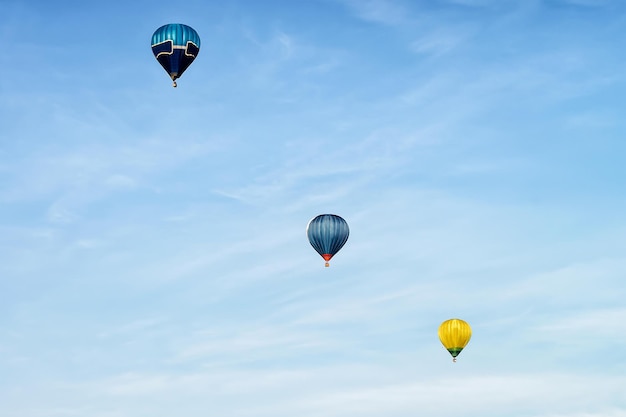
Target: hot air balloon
{"x":454,"y":335}
{"x":175,"y":46}
{"x":327,"y":234}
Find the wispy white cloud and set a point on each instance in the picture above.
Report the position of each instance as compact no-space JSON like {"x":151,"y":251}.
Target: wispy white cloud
{"x":605,"y":323}
{"x":98,"y":168}
{"x":251,"y":345}
{"x":588,"y":3}
{"x":120,"y":181}
{"x":439,"y":42}
{"x":132,"y":327}
{"x":342,"y":391}
{"x":478,"y":3}
{"x":379,"y":11}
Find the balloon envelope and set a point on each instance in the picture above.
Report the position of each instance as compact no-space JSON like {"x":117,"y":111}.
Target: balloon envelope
{"x":175,"y":46}
{"x":454,"y":334}
{"x":327,"y":234}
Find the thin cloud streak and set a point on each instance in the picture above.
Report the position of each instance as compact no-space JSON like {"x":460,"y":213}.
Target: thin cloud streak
{"x":366,"y":391}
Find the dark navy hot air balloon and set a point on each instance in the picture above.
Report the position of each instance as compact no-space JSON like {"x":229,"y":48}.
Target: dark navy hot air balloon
{"x":327,"y":234}
{"x":175,"y":46}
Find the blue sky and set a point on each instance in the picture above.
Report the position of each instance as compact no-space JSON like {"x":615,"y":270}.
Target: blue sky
{"x":153,"y":256}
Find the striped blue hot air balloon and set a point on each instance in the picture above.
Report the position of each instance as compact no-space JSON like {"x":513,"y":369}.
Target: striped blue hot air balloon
{"x":175,"y":46}
{"x":327,"y":234}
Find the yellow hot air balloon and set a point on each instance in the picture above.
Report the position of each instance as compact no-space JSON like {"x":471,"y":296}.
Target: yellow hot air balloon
{"x":454,"y":335}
